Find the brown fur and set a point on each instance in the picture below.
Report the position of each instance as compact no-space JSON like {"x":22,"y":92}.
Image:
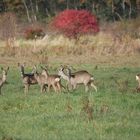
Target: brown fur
{"x":3,"y":78}
{"x":52,"y":80}
{"x":27,"y":78}
{"x":79,"y":77}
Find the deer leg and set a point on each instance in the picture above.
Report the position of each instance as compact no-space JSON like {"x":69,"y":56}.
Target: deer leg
{"x":48,"y":88}
{"x":69,"y":86}
{"x":93,"y":86}
{"x":0,"y":91}
{"x":86,"y":88}
{"x":74,"y":86}
{"x":59,"y":86}
{"x":45,"y":87}
{"x":26,"y":88}
{"x":42,"y":87}
{"x":54,"y":87}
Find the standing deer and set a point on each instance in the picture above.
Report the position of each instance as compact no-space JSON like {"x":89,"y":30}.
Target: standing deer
{"x":52,"y":80}
{"x":41,"y":79}
{"x":27,"y":78}
{"x":138,"y":79}
{"x":79,"y":77}
{"x":3,"y":78}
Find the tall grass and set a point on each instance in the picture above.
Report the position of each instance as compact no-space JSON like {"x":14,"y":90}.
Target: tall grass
{"x":114,"y":39}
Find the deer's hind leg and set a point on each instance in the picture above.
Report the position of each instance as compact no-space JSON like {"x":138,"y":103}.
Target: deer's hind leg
{"x":92,"y":85}
{"x":26,"y":88}
{"x":0,"y":91}
{"x":42,"y":88}
{"x":58,"y":85}
{"x":54,"y":87}
{"x":86,"y":88}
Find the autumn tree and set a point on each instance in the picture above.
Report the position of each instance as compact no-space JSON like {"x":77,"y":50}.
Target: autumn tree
{"x":73,"y":23}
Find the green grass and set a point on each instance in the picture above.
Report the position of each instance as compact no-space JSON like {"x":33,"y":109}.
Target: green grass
{"x":46,"y":117}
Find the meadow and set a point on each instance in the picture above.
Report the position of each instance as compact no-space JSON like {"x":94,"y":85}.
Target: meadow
{"x":112,"y":113}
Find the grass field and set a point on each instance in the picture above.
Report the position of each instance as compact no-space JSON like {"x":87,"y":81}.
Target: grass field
{"x":113,"y":113}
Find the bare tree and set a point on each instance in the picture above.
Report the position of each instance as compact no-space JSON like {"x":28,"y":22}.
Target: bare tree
{"x":33,"y":11}
{"x":138,"y":6}
{"x":27,"y":11}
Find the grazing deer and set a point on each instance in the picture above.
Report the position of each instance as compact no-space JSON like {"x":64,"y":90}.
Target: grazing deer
{"x":52,"y":80}
{"x":27,"y":78}
{"x":3,"y":78}
{"x":79,"y":77}
{"x":138,"y":79}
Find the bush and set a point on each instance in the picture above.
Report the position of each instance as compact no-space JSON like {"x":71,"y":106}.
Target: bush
{"x":33,"y":32}
{"x":73,"y":23}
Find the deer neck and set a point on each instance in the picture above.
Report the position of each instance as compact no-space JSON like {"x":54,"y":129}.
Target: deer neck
{"x":45,"y":74}
{"x":36,"y":75}
{"x":64,"y":76}
{"x":4,"y":78}
{"x":22,"y":71}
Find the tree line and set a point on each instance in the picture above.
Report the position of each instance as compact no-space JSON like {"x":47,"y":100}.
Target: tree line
{"x":44,"y":10}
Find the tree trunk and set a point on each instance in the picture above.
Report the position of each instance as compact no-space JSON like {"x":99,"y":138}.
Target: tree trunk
{"x":27,"y":11}
{"x":33,"y":12}
{"x":67,"y":4}
{"x":138,"y":6}
{"x":75,"y":4}
{"x":130,"y":9}
{"x":112,"y":9}
{"x":36,"y":7}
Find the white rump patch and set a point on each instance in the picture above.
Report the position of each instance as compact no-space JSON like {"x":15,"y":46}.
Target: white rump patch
{"x":137,"y":78}
{"x":57,"y":79}
{"x":92,"y":78}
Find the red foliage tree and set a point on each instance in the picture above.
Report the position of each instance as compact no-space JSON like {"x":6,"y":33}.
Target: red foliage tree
{"x":75,"y":22}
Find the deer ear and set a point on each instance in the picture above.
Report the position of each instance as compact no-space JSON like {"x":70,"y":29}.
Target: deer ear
{"x":68,"y":70}
{"x":34,"y":67}
{"x":7,"y":68}
{"x":61,"y":67}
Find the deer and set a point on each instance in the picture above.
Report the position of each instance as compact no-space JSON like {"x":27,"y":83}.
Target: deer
{"x":138,"y":79}
{"x":3,"y":78}
{"x":52,"y":80}
{"x":41,"y":79}
{"x":27,"y":78}
{"x":79,"y":77}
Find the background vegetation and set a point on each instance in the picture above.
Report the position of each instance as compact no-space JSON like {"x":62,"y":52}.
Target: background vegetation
{"x":36,"y":10}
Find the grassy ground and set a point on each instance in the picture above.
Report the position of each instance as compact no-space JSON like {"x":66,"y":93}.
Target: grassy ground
{"x":113,"y":113}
